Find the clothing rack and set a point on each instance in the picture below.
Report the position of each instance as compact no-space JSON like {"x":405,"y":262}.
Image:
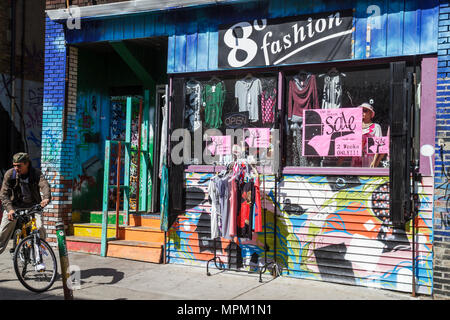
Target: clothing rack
{"x":276,"y":270}
{"x":214,"y":259}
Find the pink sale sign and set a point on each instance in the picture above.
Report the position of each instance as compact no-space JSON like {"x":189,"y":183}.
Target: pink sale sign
{"x":377,"y":145}
{"x":258,"y":137}
{"x":332,"y":132}
{"x":220,"y":145}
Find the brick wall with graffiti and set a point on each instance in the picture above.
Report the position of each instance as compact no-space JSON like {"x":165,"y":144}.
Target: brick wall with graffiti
{"x":29,"y":121}
{"x":25,"y":124}
{"x":442,"y":160}
{"x":328,"y":228}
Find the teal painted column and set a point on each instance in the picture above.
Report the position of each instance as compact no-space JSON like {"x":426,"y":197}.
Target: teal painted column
{"x":105,"y":199}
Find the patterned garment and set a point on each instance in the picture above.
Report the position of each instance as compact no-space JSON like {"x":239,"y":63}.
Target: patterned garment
{"x":298,"y":159}
{"x":193,"y":105}
{"x":118,"y":120}
{"x":332,"y":92}
{"x":268,"y":101}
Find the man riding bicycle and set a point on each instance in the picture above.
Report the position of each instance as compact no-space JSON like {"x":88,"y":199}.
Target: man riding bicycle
{"x":21,"y":189}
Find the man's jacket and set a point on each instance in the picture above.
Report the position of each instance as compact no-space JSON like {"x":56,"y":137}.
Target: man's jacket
{"x":11,"y":193}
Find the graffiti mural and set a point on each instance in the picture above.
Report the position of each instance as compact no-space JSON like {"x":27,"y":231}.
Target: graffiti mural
{"x":117,"y":132}
{"x":89,"y":153}
{"x":328,"y":228}
{"x":443,"y":205}
{"x":31,"y":116}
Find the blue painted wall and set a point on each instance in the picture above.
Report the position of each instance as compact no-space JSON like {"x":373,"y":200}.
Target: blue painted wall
{"x":57,"y":154}
{"x":406,"y":28}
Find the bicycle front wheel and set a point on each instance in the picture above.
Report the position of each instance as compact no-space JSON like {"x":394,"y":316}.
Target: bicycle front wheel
{"x":35,"y":270}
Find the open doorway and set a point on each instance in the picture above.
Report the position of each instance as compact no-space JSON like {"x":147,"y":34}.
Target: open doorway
{"x":109,"y":73}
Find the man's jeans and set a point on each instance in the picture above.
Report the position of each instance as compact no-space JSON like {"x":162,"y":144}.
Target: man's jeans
{"x":7,"y":228}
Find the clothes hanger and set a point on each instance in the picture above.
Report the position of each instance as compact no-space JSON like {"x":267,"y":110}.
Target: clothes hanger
{"x":214,"y":78}
{"x":302,"y":75}
{"x":334,"y":72}
{"x":192,"y":81}
{"x":249,"y":76}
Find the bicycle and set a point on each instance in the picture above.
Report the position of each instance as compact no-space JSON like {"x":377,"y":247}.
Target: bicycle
{"x":32,"y":251}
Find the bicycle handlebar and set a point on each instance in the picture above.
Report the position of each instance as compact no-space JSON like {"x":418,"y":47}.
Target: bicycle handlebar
{"x":27,"y":211}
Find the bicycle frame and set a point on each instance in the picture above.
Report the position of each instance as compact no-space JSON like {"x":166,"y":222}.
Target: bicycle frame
{"x":30,"y":224}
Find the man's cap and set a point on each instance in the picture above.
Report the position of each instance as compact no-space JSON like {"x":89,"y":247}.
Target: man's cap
{"x":21,"y":157}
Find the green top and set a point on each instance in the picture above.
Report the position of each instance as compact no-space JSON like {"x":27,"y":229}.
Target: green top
{"x":213,"y":97}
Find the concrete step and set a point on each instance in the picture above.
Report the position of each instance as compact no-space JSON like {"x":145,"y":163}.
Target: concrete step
{"x":84,"y":244}
{"x":125,"y":249}
{"x":146,"y":234}
{"x":133,"y":233}
{"x":146,"y":220}
{"x":96,"y":217}
{"x":136,"y":250}
{"x":93,"y":230}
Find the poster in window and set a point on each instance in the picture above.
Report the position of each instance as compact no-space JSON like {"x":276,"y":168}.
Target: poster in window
{"x":258,"y":137}
{"x":332,"y":132}
{"x":220,"y":145}
{"x":377,"y":145}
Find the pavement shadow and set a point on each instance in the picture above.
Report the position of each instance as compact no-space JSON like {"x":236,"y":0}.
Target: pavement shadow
{"x":102,"y":272}
{"x":24,"y":294}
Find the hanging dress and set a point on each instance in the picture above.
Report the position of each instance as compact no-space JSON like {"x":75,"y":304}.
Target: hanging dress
{"x":213,"y":97}
{"x":213,"y":194}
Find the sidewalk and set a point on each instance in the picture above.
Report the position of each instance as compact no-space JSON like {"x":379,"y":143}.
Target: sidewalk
{"x":112,"y":279}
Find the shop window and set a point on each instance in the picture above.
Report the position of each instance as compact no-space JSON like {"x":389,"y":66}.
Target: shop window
{"x":330,"y":117}
{"x":337,"y":117}
{"x":229,"y":103}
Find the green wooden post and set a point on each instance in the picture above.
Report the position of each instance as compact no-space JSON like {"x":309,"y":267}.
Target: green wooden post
{"x":144,"y":155}
{"x":105,"y":199}
{"x":64,"y":261}
{"x":126,"y":182}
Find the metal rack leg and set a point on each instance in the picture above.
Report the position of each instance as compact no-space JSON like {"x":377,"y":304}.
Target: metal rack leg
{"x":276,"y":269}
{"x":215,"y":260}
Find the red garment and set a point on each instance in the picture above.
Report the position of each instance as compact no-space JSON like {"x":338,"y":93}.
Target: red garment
{"x":257,"y":208}
{"x":301,"y":99}
{"x":244,"y":217}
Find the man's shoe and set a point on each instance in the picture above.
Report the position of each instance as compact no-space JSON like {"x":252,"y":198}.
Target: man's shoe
{"x":40,"y":267}
{"x":12,"y":250}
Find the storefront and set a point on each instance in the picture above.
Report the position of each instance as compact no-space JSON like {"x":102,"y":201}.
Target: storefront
{"x":333,"y":217}
{"x":325,"y":87}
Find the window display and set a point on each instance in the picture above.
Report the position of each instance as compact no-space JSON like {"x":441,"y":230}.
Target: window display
{"x":230,"y":102}
{"x":361,"y":89}
{"x":333,"y":116}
